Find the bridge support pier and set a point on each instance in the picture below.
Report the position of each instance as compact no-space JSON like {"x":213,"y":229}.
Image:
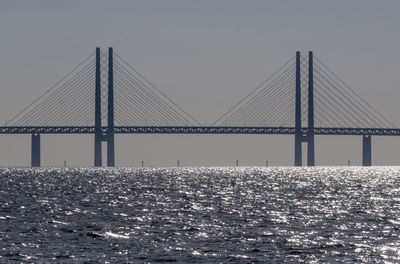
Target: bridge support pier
{"x":35,"y":150}
{"x":297,"y":151}
{"x":366,"y":149}
{"x":97,"y":150}
{"x":110,"y":151}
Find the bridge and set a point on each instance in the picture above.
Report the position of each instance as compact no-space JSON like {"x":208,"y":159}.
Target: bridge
{"x":104,"y":95}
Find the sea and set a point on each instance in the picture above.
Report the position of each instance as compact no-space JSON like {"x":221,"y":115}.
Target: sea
{"x":200,"y":215}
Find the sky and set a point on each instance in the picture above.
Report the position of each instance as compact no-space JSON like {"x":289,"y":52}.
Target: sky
{"x":206,"y":55}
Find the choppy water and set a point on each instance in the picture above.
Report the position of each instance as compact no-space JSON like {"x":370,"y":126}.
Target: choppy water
{"x":239,"y":215}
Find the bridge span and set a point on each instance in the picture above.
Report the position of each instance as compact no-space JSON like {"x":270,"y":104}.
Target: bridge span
{"x":205,"y":130}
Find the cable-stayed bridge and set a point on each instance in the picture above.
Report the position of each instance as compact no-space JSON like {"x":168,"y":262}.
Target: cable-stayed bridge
{"x":104,"y":95}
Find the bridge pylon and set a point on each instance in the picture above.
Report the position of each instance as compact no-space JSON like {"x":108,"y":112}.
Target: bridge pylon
{"x":101,"y":136}
{"x":300,"y":136}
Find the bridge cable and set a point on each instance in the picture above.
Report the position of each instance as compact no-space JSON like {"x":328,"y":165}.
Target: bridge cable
{"x":51,"y":88}
{"x":251,"y":104}
{"x":252,"y":92}
{"x":50,"y":101}
{"x":354,"y":93}
{"x":154,"y":102}
{"x":270,"y":94}
{"x":153,"y":86}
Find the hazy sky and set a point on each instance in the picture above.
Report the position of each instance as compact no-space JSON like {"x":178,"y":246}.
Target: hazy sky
{"x":206,"y":55}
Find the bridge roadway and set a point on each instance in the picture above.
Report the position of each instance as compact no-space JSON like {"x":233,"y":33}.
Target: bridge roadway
{"x":198,"y":130}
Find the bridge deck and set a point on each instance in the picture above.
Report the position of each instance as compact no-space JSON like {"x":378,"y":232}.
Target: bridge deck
{"x":199,"y":130}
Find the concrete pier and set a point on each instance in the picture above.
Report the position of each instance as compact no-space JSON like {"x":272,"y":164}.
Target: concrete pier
{"x":35,"y":150}
{"x":366,"y":150}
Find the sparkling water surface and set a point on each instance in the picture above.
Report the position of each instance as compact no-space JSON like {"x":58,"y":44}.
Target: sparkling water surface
{"x":200,"y":215}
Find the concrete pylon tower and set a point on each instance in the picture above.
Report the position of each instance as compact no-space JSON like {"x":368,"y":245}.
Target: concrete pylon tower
{"x":301,"y":136}
{"x":108,"y":134}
